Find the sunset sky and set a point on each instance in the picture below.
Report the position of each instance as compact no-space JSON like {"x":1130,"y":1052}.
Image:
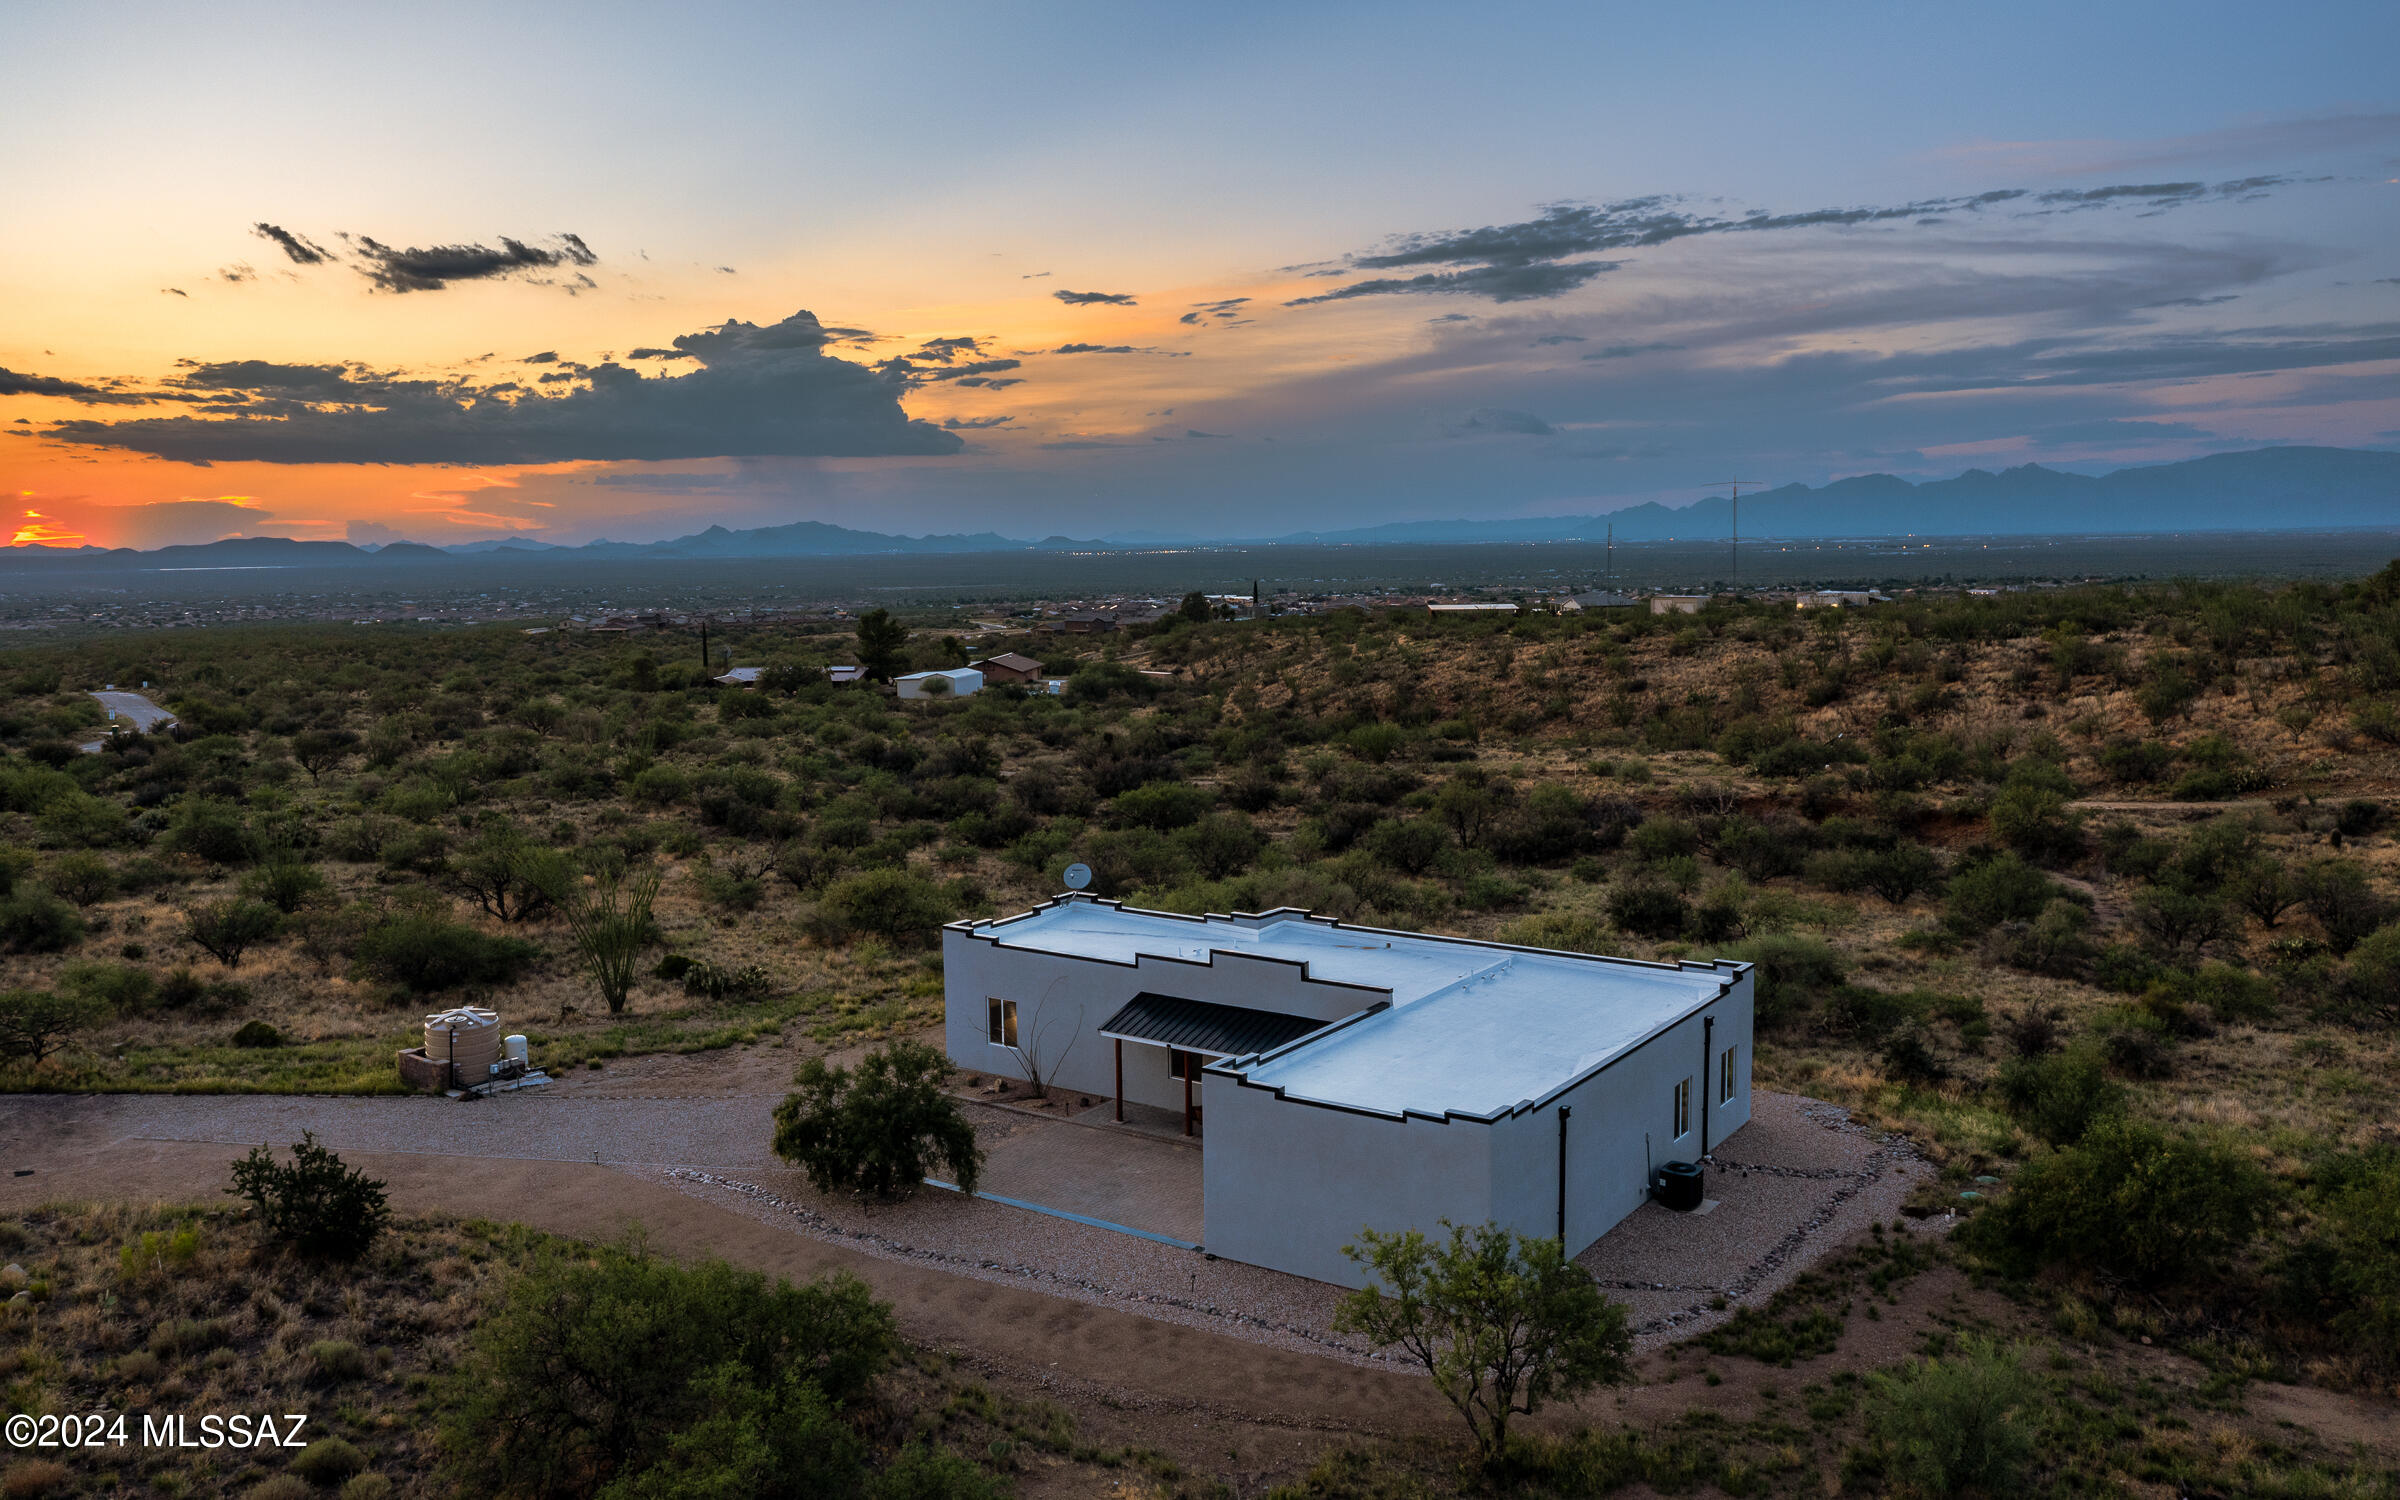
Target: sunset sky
{"x":588,"y":271}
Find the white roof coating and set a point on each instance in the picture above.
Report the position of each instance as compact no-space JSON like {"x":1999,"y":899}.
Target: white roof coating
{"x":1473,"y":1028}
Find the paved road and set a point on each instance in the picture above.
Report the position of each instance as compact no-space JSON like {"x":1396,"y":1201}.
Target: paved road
{"x":135,"y":709}
{"x":126,"y":711}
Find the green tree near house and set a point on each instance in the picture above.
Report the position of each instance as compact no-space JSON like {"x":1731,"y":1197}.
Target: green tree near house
{"x":881,"y":639}
{"x":876,"y":1129}
{"x":1504,"y":1323}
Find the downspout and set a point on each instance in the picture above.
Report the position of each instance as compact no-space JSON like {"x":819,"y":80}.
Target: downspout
{"x":1563,"y":1112}
{"x":1708,"y":1055}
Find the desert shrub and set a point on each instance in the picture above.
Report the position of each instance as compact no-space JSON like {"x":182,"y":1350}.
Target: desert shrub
{"x":2056,"y":942}
{"x":899,"y":905}
{"x":338,"y":1360}
{"x":36,"y":1023}
{"x":286,"y":883}
{"x":1165,"y":806}
{"x":1900,"y":872}
{"x":322,"y":1206}
{"x":874,"y":1130}
{"x":507,"y":875}
{"x":2001,"y":889}
{"x":2129,"y":1199}
{"x":2132,"y":761}
{"x":257,"y":1034}
{"x":326,"y":1462}
{"x":645,"y":1378}
{"x":1870,"y":1015}
{"x":2338,"y":893}
{"x":2176,"y":922}
{"x":730,"y":890}
{"x":34,"y":921}
{"x":2059,"y":1097}
{"x":1648,"y":908}
{"x":1791,"y":972}
{"x":428,"y":953}
{"x":212,"y":831}
{"x":1503,"y":1322}
{"x":1962,"y":1423}
{"x":1662,"y":839}
{"x":1569,"y":931}
{"x":1223,"y":844}
{"x":81,"y":821}
{"x":85,"y":879}
{"x":2344,"y":1272}
{"x":226,"y":930}
{"x":922,"y":1471}
{"x":2033,"y":818}
{"x":127,"y":989}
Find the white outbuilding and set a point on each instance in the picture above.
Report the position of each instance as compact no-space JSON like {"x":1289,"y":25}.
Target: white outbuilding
{"x":954,"y":682}
{"x":1352,"y":1077}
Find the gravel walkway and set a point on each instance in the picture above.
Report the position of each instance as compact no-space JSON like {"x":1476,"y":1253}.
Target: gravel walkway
{"x":1799,"y":1179}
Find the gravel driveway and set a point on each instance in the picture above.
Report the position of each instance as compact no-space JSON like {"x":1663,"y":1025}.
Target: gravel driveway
{"x":1796,"y":1181}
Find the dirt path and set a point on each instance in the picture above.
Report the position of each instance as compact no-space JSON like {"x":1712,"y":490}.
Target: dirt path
{"x":1046,"y":1340}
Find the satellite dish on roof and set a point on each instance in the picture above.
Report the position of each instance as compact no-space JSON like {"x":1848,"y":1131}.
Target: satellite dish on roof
{"x":1078,"y":876}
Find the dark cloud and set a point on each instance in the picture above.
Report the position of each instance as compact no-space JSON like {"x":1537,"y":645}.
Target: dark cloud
{"x":975,"y":424}
{"x":1077,"y":445}
{"x":1500,"y":283}
{"x":302,"y":250}
{"x":1088,"y":299}
{"x":721,"y":270}
{"x":1548,"y":339}
{"x":945,"y":350}
{"x":1630,"y":351}
{"x":1500,"y":419}
{"x":174,"y":291}
{"x":1544,"y":256}
{"x":658,"y":354}
{"x":434,"y":267}
{"x":546,"y":357}
{"x":14,"y":384}
{"x":2193,"y":301}
{"x":1452,"y":318}
{"x":760,"y":392}
{"x":238,"y":272}
{"x":1194,"y":432}
{"x":1098,"y":349}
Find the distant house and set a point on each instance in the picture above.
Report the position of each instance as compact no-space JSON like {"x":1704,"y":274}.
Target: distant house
{"x":956,"y":682}
{"x":845,"y":674}
{"x":1677,"y":604}
{"x":741,"y":677}
{"x":1842,"y":599}
{"x":1599,"y":599}
{"x":1010,"y":666}
{"x":1442,"y":611}
{"x":1086,"y":624}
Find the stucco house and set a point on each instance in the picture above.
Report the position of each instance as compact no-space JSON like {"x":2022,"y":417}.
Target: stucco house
{"x":1346,"y":1077}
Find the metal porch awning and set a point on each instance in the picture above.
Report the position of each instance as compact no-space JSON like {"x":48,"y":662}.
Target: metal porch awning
{"x":1204,"y":1026}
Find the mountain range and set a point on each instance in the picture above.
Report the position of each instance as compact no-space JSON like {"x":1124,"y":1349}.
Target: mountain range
{"x":2262,"y":489}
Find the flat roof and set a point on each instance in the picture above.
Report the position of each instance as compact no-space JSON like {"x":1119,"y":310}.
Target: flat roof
{"x":1466,"y":1027}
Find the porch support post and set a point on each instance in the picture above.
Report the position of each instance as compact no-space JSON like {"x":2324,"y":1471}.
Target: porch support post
{"x":1120,"y":1080}
{"x":1187,"y":1097}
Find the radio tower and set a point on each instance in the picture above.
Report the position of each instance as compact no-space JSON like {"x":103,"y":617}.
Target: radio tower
{"x":1737,"y":522}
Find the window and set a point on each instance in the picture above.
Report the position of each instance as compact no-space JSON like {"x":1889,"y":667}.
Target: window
{"x":1004,"y":1023}
{"x":1182,"y":1064}
{"x":1725,"y":1076}
{"x":1683,"y":1109}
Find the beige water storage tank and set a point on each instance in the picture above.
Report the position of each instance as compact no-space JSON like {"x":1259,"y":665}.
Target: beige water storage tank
{"x":468,"y":1037}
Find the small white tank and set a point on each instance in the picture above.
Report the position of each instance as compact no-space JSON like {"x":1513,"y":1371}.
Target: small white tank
{"x":512,"y":1049}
